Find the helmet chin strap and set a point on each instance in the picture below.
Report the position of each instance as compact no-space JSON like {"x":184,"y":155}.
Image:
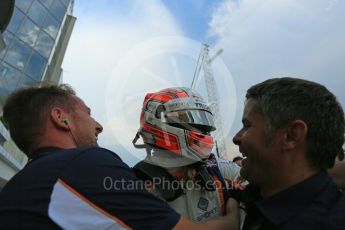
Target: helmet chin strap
{"x":141,"y":146}
{"x":138,"y":146}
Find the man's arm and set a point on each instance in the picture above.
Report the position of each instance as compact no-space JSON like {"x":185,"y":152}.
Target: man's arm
{"x":109,"y":193}
{"x":230,"y":221}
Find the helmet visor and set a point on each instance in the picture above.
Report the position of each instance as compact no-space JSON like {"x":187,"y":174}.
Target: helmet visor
{"x":195,"y":120}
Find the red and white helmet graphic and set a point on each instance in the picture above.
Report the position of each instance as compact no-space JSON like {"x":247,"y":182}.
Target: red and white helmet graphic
{"x":177,"y":120}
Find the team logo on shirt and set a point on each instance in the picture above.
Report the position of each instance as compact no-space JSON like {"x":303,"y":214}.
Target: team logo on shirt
{"x":203,"y":204}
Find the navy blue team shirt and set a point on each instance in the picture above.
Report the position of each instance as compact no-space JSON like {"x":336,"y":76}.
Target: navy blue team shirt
{"x":315,"y":203}
{"x":80,"y":188}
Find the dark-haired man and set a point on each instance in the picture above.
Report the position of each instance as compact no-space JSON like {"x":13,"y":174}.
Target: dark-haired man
{"x":293,"y":130}
{"x":70,"y":182}
{"x":238,"y":160}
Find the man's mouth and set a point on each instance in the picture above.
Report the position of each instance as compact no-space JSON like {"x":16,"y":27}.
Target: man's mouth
{"x":243,"y":153}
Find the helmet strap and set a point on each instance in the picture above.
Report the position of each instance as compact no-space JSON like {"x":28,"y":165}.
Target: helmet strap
{"x":148,"y":151}
{"x":134,"y":142}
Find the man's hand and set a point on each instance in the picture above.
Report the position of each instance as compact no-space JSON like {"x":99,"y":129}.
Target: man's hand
{"x":233,"y":213}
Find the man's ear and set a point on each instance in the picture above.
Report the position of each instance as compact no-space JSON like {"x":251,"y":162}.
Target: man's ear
{"x":59,"y":118}
{"x":295,"y":134}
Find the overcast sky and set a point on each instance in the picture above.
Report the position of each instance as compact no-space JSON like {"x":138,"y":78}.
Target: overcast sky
{"x":120,"y":50}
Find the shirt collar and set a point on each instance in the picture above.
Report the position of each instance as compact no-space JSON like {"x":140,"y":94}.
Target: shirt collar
{"x":282,"y":206}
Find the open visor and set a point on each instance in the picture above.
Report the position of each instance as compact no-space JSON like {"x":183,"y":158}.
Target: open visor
{"x":195,"y":120}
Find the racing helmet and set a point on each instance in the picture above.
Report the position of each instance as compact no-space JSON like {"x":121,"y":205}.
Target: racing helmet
{"x":177,"y":120}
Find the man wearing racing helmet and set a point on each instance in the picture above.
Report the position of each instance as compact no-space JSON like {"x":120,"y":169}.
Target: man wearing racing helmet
{"x":175,"y":125}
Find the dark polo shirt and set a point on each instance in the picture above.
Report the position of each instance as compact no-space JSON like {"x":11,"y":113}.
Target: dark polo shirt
{"x":80,"y":188}
{"x":315,"y":203}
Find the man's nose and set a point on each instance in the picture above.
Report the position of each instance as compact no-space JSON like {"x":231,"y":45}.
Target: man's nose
{"x":237,"y":139}
{"x":99,"y":127}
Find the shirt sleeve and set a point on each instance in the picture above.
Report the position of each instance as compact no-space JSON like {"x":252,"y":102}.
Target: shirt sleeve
{"x":98,"y":191}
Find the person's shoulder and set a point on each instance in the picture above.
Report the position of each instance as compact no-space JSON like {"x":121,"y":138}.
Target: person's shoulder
{"x":339,"y":205}
{"x":228,"y":169}
{"x":94,"y":164}
{"x":97,"y":150}
{"x":97,"y":154}
{"x":227,"y":163}
{"x":336,"y":214}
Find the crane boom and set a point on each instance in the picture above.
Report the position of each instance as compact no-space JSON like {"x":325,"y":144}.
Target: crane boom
{"x":204,"y":62}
